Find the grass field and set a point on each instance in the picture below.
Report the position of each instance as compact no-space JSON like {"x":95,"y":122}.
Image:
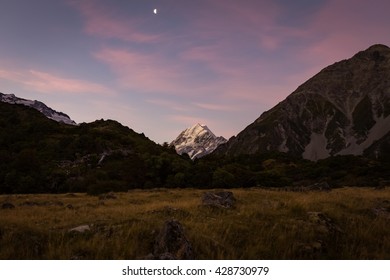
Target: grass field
{"x":345,"y":223}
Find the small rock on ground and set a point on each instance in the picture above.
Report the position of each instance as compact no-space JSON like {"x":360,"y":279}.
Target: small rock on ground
{"x":81,"y":229}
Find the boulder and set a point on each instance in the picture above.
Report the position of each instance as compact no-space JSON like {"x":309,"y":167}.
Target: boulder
{"x":172,"y":244}
{"x":106,"y":196}
{"x":222,"y":199}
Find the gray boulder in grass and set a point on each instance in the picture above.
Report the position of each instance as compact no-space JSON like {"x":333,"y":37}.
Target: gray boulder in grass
{"x":221,"y":199}
{"x":172,"y":244}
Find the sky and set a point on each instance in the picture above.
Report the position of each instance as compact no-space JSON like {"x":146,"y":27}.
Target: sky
{"x":216,"y":62}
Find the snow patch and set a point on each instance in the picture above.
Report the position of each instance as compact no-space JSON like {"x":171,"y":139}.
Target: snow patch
{"x":39,"y":106}
{"x":379,"y":130}
{"x":316,"y":149}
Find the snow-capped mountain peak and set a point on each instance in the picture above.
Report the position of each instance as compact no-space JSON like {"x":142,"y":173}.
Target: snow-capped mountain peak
{"x":198,"y":130}
{"x":37,"y":105}
{"x":197,"y":141}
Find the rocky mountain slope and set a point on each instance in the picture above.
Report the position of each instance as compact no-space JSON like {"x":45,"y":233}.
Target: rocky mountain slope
{"x":197,"y":141}
{"x":344,"y":109}
{"x":41,"y":107}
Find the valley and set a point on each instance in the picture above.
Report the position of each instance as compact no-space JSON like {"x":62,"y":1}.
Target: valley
{"x":308,"y":179}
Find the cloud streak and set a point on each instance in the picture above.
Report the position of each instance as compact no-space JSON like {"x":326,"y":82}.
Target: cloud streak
{"x":49,"y":83}
{"x":103,"y":22}
{"x":217,"y":107}
{"x":145,"y":73}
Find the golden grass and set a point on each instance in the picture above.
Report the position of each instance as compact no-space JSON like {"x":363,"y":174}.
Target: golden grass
{"x":265,"y":224}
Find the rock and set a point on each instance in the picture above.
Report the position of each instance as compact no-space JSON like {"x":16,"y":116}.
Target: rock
{"x":7,"y":205}
{"x":310,"y":249}
{"x":172,"y":244}
{"x":167,"y":256}
{"x":29,"y":203}
{"x":53,"y":203}
{"x":106,"y":196}
{"x":81,"y":229}
{"x":81,"y":254}
{"x":147,"y":257}
{"x":222,"y":199}
{"x":324,"y":231}
{"x":324,"y":224}
{"x":69,"y":206}
{"x":382,"y":210}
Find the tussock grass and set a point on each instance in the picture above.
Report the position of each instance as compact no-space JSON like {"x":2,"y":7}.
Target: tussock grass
{"x":265,"y":224}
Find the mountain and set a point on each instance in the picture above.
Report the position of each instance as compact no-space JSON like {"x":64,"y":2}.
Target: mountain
{"x":197,"y":141}
{"x":41,"y":155}
{"x":342,"y":110}
{"x":37,"y":105}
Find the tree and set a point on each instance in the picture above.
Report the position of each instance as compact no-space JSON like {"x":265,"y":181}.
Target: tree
{"x":223,"y":179}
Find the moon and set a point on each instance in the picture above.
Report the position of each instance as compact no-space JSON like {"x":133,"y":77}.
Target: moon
{"x":155,"y":11}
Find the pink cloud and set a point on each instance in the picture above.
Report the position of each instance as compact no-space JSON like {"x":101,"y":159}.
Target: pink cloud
{"x":48,"y":83}
{"x":169,"y":104}
{"x":212,"y":44}
{"x":102,"y":22}
{"x":256,"y":22}
{"x":215,"y":59}
{"x":187,"y":120}
{"x":147,"y":73}
{"x":216,"y":107}
{"x":10,"y":75}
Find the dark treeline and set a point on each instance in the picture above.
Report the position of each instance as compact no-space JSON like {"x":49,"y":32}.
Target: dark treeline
{"x":38,"y":155}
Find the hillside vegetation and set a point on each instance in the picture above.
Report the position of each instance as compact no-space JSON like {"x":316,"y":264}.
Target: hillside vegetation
{"x":38,"y":155}
{"x":346,"y":223}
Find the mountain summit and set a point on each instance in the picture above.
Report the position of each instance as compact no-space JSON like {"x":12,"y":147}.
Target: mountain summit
{"x":197,"y":141}
{"x":344,"y":109}
{"x":37,"y":105}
